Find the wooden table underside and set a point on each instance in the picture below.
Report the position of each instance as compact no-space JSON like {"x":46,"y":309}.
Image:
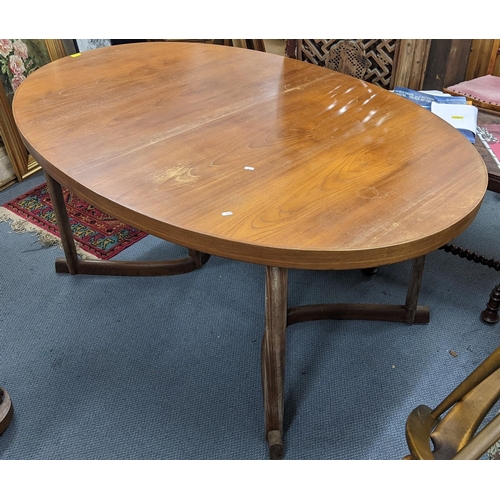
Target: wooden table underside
{"x":257,"y":158}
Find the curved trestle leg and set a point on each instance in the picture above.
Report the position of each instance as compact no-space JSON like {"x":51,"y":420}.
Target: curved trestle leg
{"x":409,"y":313}
{"x":278,"y":317}
{"x":73,"y":265}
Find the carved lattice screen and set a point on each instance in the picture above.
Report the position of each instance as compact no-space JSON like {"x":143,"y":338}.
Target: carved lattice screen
{"x":371,"y":60}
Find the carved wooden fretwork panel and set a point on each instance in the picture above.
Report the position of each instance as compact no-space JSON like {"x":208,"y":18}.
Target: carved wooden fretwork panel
{"x":371,"y":60}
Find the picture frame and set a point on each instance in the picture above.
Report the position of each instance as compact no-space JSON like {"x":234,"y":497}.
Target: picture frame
{"x":83,"y":45}
{"x":19,"y":58}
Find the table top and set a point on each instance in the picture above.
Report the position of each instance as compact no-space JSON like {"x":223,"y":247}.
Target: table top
{"x":251,"y":156}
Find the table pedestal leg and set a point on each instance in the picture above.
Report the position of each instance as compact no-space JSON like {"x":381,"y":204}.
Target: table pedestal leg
{"x":73,"y":265}
{"x":273,"y":357}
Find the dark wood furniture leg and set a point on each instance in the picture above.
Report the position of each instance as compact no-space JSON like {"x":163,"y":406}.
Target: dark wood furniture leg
{"x":490,"y":314}
{"x":273,"y":357}
{"x":411,"y":304}
{"x":73,"y":265}
{"x":6,"y":410}
{"x":68,"y":243}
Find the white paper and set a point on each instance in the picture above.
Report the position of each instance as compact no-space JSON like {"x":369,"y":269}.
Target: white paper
{"x":461,"y":116}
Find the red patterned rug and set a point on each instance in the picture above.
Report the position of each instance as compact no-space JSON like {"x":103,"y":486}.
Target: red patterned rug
{"x":96,"y":234}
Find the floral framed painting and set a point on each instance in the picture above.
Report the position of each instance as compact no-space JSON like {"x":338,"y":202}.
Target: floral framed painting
{"x":18,"y":59}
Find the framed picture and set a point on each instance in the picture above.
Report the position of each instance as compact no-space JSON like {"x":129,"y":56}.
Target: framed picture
{"x":18,"y":59}
{"x":90,"y":44}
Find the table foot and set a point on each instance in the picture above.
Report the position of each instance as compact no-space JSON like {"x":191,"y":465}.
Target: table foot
{"x":133,"y":268}
{"x":275,"y":445}
{"x":6,"y":410}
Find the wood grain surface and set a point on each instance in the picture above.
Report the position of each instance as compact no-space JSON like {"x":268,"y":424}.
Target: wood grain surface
{"x":251,"y":156}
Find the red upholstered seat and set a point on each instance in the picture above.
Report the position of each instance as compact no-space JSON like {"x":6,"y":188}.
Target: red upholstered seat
{"x":484,"y":90}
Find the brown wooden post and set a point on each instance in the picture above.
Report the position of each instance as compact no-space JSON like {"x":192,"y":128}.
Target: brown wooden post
{"x":68,"y":243}
{"x":411,"y":305}
{"x":273,"y":357}
{"x":291,"y":47}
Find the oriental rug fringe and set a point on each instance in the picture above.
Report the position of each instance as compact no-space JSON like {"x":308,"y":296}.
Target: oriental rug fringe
{"x":96,"y":234}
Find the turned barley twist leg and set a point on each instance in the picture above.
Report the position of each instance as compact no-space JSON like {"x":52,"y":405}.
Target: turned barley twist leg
{"x":490,"y":314}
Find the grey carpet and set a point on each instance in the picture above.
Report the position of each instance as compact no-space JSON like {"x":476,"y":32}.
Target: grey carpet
{"x":169,"y":367}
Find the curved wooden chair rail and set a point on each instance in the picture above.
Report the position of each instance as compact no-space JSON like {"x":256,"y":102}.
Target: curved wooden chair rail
{"x":6,"y":410}
{"x":455,"y":435}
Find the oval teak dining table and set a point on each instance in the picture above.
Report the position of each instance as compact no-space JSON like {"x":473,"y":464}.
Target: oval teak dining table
{"x":252,"y":157}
